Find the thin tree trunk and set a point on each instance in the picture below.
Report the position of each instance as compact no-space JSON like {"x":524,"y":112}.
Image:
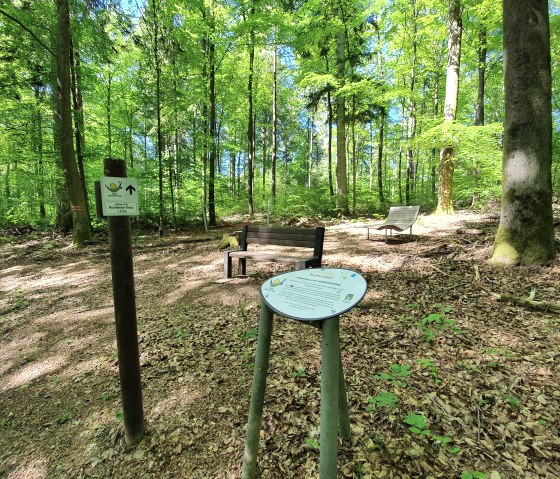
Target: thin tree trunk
{"x":481,"y":50}
{"x":38,"y":134}
{"x":329,"y":148}
{"x":212,"y":139}
{"x":274,"y":123}
{"x":309,"y":147}
{"x":382,"y":119}
{"x":157,"y":61}
{"x":250,"y":126}
{"x":341,"y":167}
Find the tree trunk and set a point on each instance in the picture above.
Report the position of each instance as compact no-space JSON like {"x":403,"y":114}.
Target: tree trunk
{"x":212,"y":139}
{"x":526,"y":235}
{"x":341,"y":168}
{"x":481,"y":50}
{"x":38,"y":135}
{"x":250,"y":122}
{"x":329,"y":147}
{"x":80,"y":219}
{"x":447,"y":154}
{"x":411,"y":122}
{"x":274,"y":152}
{"x":309,"y":147}
{"x":158,"y":115}
{"x":80,"y":129}
{"x":382,"y":118}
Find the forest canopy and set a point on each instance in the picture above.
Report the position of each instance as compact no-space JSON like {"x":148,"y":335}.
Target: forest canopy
{"x":237,"y":105}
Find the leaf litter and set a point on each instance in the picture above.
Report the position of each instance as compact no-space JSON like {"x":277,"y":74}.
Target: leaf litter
{"x":443,"y":380}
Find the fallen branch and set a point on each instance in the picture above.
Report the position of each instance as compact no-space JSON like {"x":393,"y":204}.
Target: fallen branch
{"x":529,"y":303}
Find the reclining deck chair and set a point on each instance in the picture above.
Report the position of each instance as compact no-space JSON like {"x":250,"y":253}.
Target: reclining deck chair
{"x":399,"y":219}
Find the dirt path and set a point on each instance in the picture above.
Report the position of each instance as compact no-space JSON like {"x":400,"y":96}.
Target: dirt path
{"x":428,"y":345}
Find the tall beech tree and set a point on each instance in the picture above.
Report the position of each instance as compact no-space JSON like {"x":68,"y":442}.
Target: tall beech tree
{"x":81,"y":229}
{"x":447,"y":154}
{"x":526,"y":235}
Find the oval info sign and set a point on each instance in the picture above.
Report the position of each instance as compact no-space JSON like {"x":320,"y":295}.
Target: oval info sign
{"x":314,"y":294}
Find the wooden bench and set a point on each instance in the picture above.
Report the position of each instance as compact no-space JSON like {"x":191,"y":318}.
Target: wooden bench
{"x":399,"y":219}
{"x":311,"y":238}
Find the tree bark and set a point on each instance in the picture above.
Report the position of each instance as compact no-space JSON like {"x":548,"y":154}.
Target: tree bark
{"x":341,"y":167}
{"x":481,"y":51}
{"x":526,"y":234}
{"x":157,"y":63}
{"x":447,"y":154}
{"x":250,"y":123}
{"x":80,"y":129}
{"x":274,"y":146}
{"x":212,"y":139}
{"x":81,"y":229}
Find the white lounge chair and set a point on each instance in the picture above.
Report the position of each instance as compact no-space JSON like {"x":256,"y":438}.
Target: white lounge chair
{"x":399,"y":219}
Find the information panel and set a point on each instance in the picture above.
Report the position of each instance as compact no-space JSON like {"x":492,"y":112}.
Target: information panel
{"x":314,"y":294}
{"x":119,"y":196}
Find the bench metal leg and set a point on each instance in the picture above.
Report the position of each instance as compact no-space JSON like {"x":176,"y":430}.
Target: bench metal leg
{"x":330,"y":387}
{"x":227,"y":265}
{"x":257,"y":394}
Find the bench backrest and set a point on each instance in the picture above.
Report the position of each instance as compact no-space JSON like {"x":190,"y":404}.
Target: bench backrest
{"x":298,"y":237}
{"x":405,"y":215}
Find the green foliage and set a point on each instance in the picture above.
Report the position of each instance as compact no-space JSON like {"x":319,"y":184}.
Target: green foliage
{"x":417,"y":424}
{"x":64,"y":417}
{"x":117,"y":68}
{"x":382,"y":400}
{"x":431,"y":367}
{"x":397,"y":376}
{"x":433,"y":323}
{"x":473,"y":475}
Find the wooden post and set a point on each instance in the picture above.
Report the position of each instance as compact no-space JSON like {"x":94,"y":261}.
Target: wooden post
{"x":330,"y":368}
{"x":125,"y":315}
{"x":257,"y":393}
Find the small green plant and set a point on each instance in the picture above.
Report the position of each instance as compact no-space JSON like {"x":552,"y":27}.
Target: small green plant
{"x":50,"y":246}
{"x":397,"y":376}
{"x":434,"y":322}
{"x":473,"y":475}
{"x":512,"y":400}
{"x":313,"y":442}
{"x":251,"y":334}
{"x":181,"y":333}
{"x":382,"y":400}
{"x":5,"y":421}
{"x":105,"y":396}
{"x":64,"y":417}
{"x":431,"y":367}
{"x":417,"y":423}
{"x":298,"y":372}
{"x":443,"y":441}
{"x":119,"y":415}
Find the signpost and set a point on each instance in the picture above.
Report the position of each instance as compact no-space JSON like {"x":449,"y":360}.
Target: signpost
{"x":119,"y":200}
{"x":317,"y":296}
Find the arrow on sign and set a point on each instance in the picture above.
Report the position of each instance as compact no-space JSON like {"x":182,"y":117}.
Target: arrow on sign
{"x":130,"y":189}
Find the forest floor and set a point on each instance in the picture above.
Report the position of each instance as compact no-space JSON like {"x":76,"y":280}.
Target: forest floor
{"x":435,"y":342}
